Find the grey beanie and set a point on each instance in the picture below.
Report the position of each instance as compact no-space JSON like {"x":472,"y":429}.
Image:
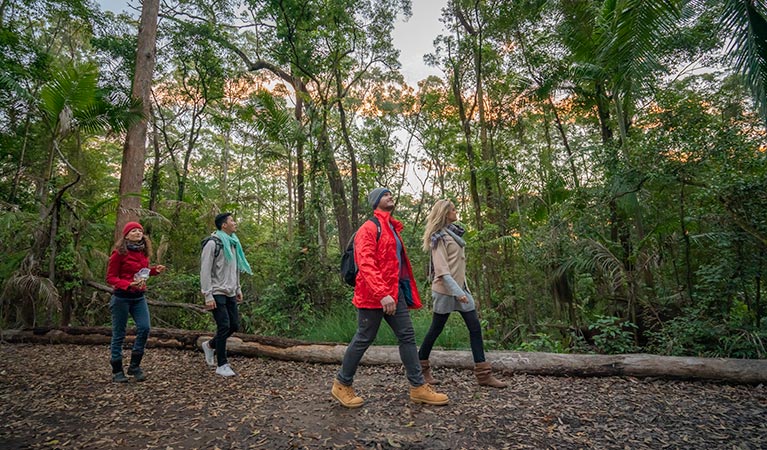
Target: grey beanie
{"x":375,"y":196}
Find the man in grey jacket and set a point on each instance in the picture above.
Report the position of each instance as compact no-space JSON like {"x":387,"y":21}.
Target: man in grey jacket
{"x":221,"y":262}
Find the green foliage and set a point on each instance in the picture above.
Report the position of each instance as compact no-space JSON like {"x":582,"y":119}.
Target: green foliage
{"x":290,"y":289}
{"x":340,"y":323}
{"x":612,"y":199}
{"x":277,"y":312}
{"x":337,"y":324}
{"x":698,"y":333}
{"x":740,"y":343}
{"x":613,"y":335}
{"x":178,"y":287}
{"x":542,"y":342}
{"x":746,"y":23}
{"x":67,"y":263}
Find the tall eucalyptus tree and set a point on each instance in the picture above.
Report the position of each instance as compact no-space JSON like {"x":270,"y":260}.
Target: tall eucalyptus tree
{"x":449,"y":54}
{"x":59,"y":104}
{"x":134,"y":150}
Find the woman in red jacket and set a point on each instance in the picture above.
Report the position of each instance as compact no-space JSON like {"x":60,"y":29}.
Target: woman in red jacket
{"x":127,"y":272}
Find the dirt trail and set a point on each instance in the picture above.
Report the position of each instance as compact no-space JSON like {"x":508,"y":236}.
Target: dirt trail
{"x":61,"y":396}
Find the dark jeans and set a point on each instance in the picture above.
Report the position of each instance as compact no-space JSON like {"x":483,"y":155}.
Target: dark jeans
{"x":368,"y":322}
{"x":121,"y":308}
{"x":227,"y":323}
{"x":438,"y":322}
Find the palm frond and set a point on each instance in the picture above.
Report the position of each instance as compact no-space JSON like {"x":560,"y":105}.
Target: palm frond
{"x":634,"y":30}
{"x":123,"y":113}
{"x":101,"y":208}
{"x":579,"y":28}
{"x":601,"y":259}
{"x":272,"y":119}
{"x":73,"y":87}
{"x":23,"y":285}
{"x":744,"y":22}
{"x":10,"y":85}
{"x":507,"y":240}
{"x":146,"y":214}
{"x":94,"y":119}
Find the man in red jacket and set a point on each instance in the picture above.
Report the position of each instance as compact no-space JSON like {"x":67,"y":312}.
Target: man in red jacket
{"x":385,"y":288}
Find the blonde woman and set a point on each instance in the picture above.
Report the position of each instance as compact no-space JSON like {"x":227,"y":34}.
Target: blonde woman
{"x":443,"y":238}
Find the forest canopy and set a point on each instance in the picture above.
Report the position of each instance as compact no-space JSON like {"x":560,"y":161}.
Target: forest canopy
{"x":607,"y":157}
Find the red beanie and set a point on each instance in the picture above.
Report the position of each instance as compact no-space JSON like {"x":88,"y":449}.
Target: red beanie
{"x":130,"y":226}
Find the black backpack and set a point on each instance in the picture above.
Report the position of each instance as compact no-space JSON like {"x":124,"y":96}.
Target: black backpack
{"x":348,"y":265}
{"x":217,"y":240}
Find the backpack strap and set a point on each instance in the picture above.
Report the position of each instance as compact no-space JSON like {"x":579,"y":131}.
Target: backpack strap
{"x":217,"y":241}
{"x":375,"y":220}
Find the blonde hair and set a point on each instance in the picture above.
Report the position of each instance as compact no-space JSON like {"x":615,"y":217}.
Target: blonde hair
{"x":436,"y":221}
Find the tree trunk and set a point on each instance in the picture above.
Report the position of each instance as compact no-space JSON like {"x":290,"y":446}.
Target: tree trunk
{"x":340,"y":94}
{"x":747,"y":371}
{"x":688,"y":268}
{"x":487,"y":157}
{"x":20,"y":165}
{"x":603,"y":111}
{"x":194,"y":134}
{"x":758,"y":298}
{"x":132,"y":171}
{"x":565,"y":142}
{"x":336,"y":182}
{"x":154,"y":184}
{"x":67,"y":307}
{"x":300,"y":178}
{"x":466,"y":126}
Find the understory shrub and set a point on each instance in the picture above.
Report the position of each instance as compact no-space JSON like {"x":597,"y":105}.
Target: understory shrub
{"x":613,"y":335}
{"x":694,"y":334}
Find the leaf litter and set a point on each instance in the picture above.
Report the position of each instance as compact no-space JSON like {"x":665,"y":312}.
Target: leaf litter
{"x":62,"y":397}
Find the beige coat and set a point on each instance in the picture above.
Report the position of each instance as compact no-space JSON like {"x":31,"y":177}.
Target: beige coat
{"x":448,"y":258}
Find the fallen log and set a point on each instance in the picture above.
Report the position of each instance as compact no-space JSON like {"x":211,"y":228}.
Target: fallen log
{"x":189,"y":306}
{"x":744,"y":371}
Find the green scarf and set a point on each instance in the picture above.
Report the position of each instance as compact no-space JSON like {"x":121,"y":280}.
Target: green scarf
{"x":229,"y":241}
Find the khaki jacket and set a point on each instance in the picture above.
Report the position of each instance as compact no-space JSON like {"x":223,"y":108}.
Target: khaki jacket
{"x":448,"y":258}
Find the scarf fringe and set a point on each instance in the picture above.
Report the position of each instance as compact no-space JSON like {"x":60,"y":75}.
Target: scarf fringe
{"x":455,"y":230}
{"x":231,"y":240}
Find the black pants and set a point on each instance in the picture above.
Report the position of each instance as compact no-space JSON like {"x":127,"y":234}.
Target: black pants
{"x":227,"y":323}
{"x":438,"y":322}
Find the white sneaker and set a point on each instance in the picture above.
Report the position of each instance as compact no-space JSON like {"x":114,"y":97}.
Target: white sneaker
{"x":210,"y":359}
{"x":225,"y":371}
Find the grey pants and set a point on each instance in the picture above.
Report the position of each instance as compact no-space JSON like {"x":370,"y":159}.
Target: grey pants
{"x":368,"y":322}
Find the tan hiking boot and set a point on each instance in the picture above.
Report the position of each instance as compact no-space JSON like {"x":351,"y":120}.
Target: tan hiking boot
{"x":485,"y":377}
{"x":426,"y":394}
{"x":345,"y":395}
